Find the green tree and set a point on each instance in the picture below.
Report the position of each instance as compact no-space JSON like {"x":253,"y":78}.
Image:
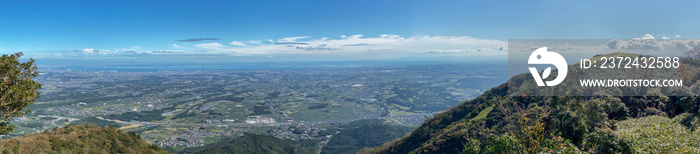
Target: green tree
{"x":17,"y":89}
{"x":504,"y":144}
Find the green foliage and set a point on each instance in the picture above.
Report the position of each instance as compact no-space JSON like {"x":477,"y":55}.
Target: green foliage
{"x":436,"y":126}
{"x":482,"y":114}
{"x":690,"y":120}
{"x":6,"y":128}
{"x":79,"y":139}
{"x":260,"y":110}
{"x":606,"y":142}
{"x":503,"y":144}
{"x":17,"y":89}
{"x":658,"y":134}
{"x":362,"y":134}
{"x":95,"y":121}
{"x":184,"y":115}
{"x":317,"y":106}
{"x":558,"y":144}
{"x":254,"y":144}
{"x":509,"y":144}
{"x":571,"y":127}
{"x":582,"y":123}
{"x":153,"y":115}
{"x":331,"y":131}
{"x":615,"y":109}
{"x":690,"y":104}
{"x":594,"y":113}
{"x":473,"y":147}
{"x":532,"y":132}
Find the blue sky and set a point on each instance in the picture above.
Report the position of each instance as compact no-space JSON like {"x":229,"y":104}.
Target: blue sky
{"x":358,"y":28}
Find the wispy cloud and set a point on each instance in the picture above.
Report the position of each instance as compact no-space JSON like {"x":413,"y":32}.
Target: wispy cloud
{"x":287,"y":43}
{"x":198,"y":39}
{"x":643,"y":45}
{"x":358,"y":44}
{"x":160,"y":51}
{"x":214,"y":45}
{"x":292,"y":39}
{"x":318,"y":47}
{"x":386,"y":44}
{"x":255,"y":42}
{"x":88,"y":50}
{"x":236,"y":43}
{"x":306,"y":47}
{"x":92,"y":51}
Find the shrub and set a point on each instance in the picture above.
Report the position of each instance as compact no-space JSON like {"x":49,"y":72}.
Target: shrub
{"x":658,"y":134}
{"x":494,"y":145}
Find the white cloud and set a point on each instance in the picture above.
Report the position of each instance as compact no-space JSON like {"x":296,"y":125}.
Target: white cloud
{"x":160,"y":51}
{"x":90,"y":50}
{"x":664,"y":44}
{"x":649,"y":43}
{"x":236,"y":43}
{"x":292,"y":39}
{"x":647,"y":37}
{"x":177,"y":46}
{"x":214,"y":45}
{"x":644,"y":45}
{"x":678,"y":36}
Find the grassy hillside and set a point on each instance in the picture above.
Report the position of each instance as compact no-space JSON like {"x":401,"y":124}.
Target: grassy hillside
{"x":254,"y":144}
{"x":533,"y":124}
{"x":659,"y":134}
{"x":79,"y":139}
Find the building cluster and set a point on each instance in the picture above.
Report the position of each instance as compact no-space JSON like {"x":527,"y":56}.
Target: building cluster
{"x":190,"y":138}
{"x":259,"y":119}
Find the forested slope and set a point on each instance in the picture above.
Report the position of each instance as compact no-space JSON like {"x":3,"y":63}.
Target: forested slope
{"x":79,"y":139}
{"x":533,"y":124}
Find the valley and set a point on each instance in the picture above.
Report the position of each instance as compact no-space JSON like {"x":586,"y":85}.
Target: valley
{"x":186,"y":109}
